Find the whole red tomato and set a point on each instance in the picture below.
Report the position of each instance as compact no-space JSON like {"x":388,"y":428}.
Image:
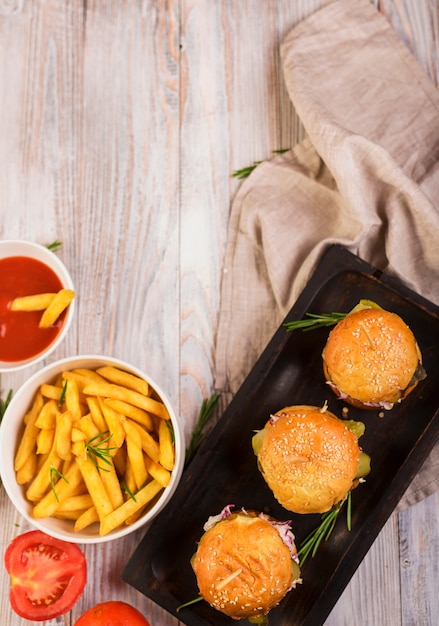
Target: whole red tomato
{"x":112,"y":613}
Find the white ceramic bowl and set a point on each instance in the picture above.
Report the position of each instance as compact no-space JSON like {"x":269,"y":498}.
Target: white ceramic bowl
{"x":12,"y":248}
{"x":12,"y":427}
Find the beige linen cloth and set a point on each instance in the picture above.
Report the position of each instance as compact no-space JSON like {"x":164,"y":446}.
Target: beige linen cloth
{"x":366,"y":177}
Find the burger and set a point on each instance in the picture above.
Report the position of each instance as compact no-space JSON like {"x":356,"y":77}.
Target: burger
{"x":371,"y":359}
{"x":245,"y":564}
{"x":309,"y":458}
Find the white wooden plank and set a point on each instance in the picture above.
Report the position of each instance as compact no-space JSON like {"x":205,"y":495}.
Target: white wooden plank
{"x":419,"y":547}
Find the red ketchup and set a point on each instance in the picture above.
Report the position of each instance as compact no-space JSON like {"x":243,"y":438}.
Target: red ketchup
{"x":20,"y":336}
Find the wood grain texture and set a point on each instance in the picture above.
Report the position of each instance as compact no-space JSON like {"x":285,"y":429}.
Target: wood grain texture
{"x":122,"y":122}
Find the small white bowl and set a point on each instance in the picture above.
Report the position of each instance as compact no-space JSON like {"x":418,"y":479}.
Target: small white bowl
{"x":17,"y":248}
{"x":12,"y":427}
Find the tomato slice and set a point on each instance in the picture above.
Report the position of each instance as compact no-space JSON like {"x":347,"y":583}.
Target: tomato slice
{"x":112,"y":613}
{"x":47,"y":575}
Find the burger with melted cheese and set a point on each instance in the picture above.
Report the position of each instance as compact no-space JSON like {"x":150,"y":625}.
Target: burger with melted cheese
{"x":310,"y":458}
{"x":371,"y":359}
{"x":245,"y":564}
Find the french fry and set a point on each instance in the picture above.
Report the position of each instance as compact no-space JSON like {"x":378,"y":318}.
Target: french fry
{"x":114,"y":423}
{"x":95,"y":487}
{"x":116,"y":392}
{"x":76,"y":503}
{"x":47,"y":416}
{"x":64,"y":487}
{"x":118,"y":516}
{"x":28,"y":470}
{"x":135,"y":516}
{"x":77,"y":435}
{"x":124,"y":379}
{"x":135,"y":454}
{"x":41,"y":482}
{"x":59,"y":382}
{"x":156,"y":407}
{"x":41,"y":459}
{"x":91,"y":375}
{"x":133,"y":412}
{"x":78,"y":449}
{"x":129,"y":480}
{"x":72,"y":400}
{"x":28,"y":439}
{"x":36,"y":302}
{"x":149,"y":445}
{"x":120,"y":460}
{"x":66,"y":465}
{"x":86,"y":425}
{"x":159,"y":473}
{"x":112,"y":485}
{"x":96,"y":414}
{"x":88,"y":517}
{"x":63,"y":436}
{"x":167,"y":455}
{"x":76,"y":488}
{"x":81,"y":378}
{"x":51,"y":391}
{"x":45,"y":439}
{"x":59,"y":303}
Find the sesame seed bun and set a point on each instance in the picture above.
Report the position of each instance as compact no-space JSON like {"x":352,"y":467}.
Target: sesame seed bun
{"x":243,"y":567}
{"x":371,"y":358}
{"x":308,"y":458}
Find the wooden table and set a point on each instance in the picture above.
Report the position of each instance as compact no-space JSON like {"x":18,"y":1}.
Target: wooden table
{"x":121,"y":124}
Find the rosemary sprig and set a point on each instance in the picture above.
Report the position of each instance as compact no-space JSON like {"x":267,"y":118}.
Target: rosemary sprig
{"x":55,"y":474}
{"x":246,"y":171}
{"x":62,"y":396}
{"x":194,"y":601}
{"x":171,"y":430}
{"x":3,"y":406}
{"x":54,"y":246}
{"x":96,"y":448}
{"x":328,"y":319}
{"x":199,"y":434}
{"x":5,"y":403}
{"x":311,"y":543}
{"x":128,"y":491}
{"x":315,"y":321}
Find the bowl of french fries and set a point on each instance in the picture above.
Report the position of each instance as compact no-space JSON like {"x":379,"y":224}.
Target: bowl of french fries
{"x":90,"y":449}
{"x":37,"y":301}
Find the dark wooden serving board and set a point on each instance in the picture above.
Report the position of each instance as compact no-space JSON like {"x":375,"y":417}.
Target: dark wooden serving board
{"x":224,"y":470}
